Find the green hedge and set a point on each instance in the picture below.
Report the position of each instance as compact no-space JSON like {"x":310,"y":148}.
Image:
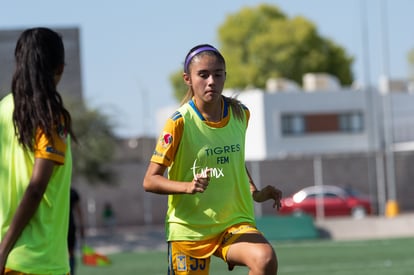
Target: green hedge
{"x":287,"y":227}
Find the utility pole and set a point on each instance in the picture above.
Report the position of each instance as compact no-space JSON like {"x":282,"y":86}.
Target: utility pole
{"x":392,"y":205}
{"x":372,"y":121}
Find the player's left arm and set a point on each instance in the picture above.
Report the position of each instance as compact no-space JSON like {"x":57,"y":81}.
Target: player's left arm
{"x":267,"y":193}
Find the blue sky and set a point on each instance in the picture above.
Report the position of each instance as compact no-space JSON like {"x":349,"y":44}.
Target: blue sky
{"x":129,"y":48}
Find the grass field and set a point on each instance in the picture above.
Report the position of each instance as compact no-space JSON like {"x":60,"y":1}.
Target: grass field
{"x":316,"y":257}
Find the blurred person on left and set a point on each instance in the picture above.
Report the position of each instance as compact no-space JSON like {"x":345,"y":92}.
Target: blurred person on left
{"x":35,"y":160}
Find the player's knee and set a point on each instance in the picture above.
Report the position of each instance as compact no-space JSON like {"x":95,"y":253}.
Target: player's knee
{"x":265,"y":261}
{"x":268,"y":264}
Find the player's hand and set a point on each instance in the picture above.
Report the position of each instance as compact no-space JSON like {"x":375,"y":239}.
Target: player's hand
{"x":199,"y":183}
{"x":268,"y":193}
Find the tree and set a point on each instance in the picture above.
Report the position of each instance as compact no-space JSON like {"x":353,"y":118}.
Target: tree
{"x":177,"y":82}
{"x":261,"y":43}
{"x":96,"y":145}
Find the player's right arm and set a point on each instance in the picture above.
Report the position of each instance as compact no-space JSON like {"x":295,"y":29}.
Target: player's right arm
{"x":42,"y":171}
{"x":45,"y":161}
{"x":155,"y":182}
{"x":165,"y":150}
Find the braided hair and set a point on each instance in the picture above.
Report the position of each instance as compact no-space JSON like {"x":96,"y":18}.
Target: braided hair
{"x":39,"y":57}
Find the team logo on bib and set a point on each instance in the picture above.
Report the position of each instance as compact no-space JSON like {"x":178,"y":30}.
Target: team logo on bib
{"x":181,"y":262}
{"x":202,"y":170}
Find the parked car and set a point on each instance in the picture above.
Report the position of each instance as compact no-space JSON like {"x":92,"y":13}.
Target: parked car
{"x":336,"y":201}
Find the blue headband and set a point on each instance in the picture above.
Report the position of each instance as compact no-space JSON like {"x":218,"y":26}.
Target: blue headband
{"x":195,"y":52}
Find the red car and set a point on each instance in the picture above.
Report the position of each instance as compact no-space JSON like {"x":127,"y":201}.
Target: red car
{"x":336,"y":201}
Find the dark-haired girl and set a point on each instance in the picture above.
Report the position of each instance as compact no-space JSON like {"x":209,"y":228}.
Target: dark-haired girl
{"x":35,"y":160}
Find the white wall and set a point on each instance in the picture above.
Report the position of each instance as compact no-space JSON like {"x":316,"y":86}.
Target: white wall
{"x":256,"y":148}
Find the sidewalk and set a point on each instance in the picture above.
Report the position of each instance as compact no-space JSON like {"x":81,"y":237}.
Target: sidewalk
{"x":375,"y":227}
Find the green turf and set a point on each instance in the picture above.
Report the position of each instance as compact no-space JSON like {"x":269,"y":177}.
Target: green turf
{"x":317,"y":257}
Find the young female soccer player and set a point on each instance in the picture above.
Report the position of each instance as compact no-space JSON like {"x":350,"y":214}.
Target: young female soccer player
{"x":211,"y":195}
{"x":35,"y":160}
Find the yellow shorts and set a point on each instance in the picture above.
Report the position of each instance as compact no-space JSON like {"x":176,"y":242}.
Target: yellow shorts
{"x":8,"y":271}
{"x":193,"y":257}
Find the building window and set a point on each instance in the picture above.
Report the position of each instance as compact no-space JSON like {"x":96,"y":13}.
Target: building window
{"x":293,"y":124}
{"x":301,"y":124}
{"x":351,"y":122}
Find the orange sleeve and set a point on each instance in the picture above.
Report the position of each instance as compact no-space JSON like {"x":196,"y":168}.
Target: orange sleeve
{"x":52,"y":149}
{"x":247,"y":116}
{"x":168,"y":142}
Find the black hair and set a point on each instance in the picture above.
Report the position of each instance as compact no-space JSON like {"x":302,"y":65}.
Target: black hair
{"x":40,"y":58}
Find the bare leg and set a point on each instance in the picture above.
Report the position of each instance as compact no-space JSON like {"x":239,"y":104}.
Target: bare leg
{"x":255,"y":252}
{"x":72,"y":261}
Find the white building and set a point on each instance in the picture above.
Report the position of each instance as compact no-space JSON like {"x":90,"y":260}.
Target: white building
{"x":321,"y":118}
{"x":312,"y":121}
